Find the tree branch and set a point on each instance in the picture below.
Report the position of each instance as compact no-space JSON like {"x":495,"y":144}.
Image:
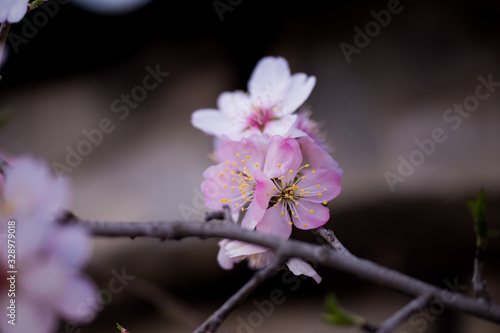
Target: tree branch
{"x":216,"y":319}
{"x":397,"y":318}
{"x":323,"y":255}
{"x":330,"y":237}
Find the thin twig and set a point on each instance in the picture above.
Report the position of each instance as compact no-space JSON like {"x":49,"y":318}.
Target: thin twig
{"x":323,"y":255}
{"x":478,"y":284}
{"x":402,"y":314}
{"x":217,"y":318}
{"x":330,"y":237}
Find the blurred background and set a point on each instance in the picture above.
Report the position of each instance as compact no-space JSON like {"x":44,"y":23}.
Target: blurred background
{"x":62,"y":79}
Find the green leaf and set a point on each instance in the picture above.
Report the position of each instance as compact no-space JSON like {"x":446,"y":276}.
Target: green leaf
{"x":336,"y":315}
{"x":478,"y":210}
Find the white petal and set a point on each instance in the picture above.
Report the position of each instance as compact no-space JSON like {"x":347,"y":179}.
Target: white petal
{"x":281,"y":126}
{"x":213,"y":122}
{"x":222,"y":258}
{"x":237,"y":248}
{"x":270,"y":81}
{"x":298,"y":92}
{"x":299,"y":266}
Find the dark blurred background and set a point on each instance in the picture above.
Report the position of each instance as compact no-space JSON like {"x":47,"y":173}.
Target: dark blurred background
{"x":65,"y":77}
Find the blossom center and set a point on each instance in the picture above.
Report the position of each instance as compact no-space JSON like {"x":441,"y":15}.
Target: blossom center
{"x":260,"y":117}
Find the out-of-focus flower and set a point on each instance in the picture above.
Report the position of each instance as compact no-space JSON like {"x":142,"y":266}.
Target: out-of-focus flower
{"x":273,"y":95}
{"x":13,"y":11}
{"x":115,"y":7}
{"x":269,"y":178}
{"x":49,"y":284}
{"x":304,"y":125}
{"x":231,"y":252}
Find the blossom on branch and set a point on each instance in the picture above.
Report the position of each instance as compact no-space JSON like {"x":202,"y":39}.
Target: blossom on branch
{"x":48,"y":256}
{"x":232,"y":252}
{"x":273,"y":96}
{"x":269,"y":179}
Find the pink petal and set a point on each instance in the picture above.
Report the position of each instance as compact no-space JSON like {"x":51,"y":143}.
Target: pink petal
{"x":237,"y":151}
{"x":31,"y":316}
{"x":274,"y":223}
{"x":298,"y":266}
{"x":263,"y":193}
{"x":299,"y":90}
{"x":317,"y":156}
{"x":283,"y":152}
{"x":71,"y":246}
{"x":316,"y":219}
{"x":326,"y":179}
{"x":79,"y":290}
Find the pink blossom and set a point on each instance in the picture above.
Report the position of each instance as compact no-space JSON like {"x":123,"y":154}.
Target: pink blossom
{"x":13,"y":11}
{"x":269,"y":178}
{"x":273,"y":95}
{"x":49,"y":284}
{"x":231,"y":252}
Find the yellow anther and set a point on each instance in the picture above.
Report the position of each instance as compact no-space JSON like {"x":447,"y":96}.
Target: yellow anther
{"x":246,"y":178}
{"x":221,"y":175}
{"x":319,"y":194}
{"x":227,"y":162}
{"x":303,"y":177}
{"x":296,"y":203}
{"x":222,"y":200}
{"x":279,"y":165}
{"x":311,"y":211}
{"x":307,"y":165}
{"x":232,"y":188}
{"x":240,"y":174}
{"x":256,"y":165}
{"x":243,"y":192}
{"x":290,"y":223}
{"x":302,"y":191}
{"x":325,"y":202}
{"x":246,"y":200}
{"x":317,"y":185}
{"x":268,"y":193}
{"x":305,"y":225}
{"x":314,"y":172}
{"x":295,"y":187}
{"x":234,"y":164}
{"x":301,"y":195}
{"x":307,"y":192}
{"x":282,"y":214}
{"x":233,"y":172}
{"x":248,"y":156}
{"x":244,"y":185}
{"x":324,"y":189}
{"x":227,"y":170}
{"x":224,"y":185}
{"x":229,"y":201}
{"x":290,"y":172}
{"x":275,"y":205}
{"x":243,"y":161}
{"x":234,"y":179}
{"x":242,"y":209}
{"x":243,"y":197}
{"x":237,"y":204}
{"x":274,"y":188}
{"x":237,"y":155}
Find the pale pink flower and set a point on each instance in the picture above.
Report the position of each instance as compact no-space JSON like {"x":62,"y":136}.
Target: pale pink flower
{"x":13,"y":11}
{"x":269,"y":178}
{"x":49,"y":284}
{"x":273,"y":96}
{"x":231,"y":252}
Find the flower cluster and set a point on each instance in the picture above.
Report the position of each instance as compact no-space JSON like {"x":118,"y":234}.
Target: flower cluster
{"x":273,"y":167}
{"x":48,"y":256}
